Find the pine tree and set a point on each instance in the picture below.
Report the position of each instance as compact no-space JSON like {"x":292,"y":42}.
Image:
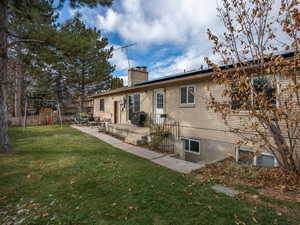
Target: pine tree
{"x":21,"y":22}
{"x":117,"y":82}
{"x":87,"y":58}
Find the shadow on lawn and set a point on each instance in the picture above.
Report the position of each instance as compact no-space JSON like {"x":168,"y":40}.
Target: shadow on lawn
{"x":19,"y":134}
{"x":59,"y":153}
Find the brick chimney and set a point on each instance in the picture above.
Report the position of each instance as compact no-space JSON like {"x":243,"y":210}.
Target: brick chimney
{"x":137,"y":75}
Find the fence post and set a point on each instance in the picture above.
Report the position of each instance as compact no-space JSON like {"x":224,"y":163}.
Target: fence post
{"x":59,"y":113}
{"x":25,"y":114}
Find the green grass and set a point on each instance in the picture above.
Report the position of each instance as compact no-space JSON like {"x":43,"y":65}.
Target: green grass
{"x":61,"y":176}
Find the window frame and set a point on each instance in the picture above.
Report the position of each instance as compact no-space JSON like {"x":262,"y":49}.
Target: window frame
{"x":187,"y":95}
{"x":276,"y":89}
{"x":255,"y":157}
{"x":160,"y":104}
{"x":189,"y":140}
{"x":277,"y":78}
{"x":133,"y":103}
{"x":100,"y":108}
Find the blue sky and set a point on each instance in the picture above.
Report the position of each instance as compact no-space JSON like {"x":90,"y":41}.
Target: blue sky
{"x":170,"y":35}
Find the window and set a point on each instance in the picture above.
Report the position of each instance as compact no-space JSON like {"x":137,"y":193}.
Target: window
{"x":159,"y":101}
{"x":134,"y":104}
{"x":262,"y":87}
{"x":265,"y":160}
{"x":239,"y":97}
{"x":102,"y":105}
{"x":188,"y":95}
{"x":258,"y":159}
{"x":191,"y":145}
{"x":246,"y":157}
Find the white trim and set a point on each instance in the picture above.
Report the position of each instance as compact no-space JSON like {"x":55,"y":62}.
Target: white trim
{"x":255,"y":157}
{"x":159,"y":91}
{"x":187,"y":86}
{"x":128,"y":106}
{"x":190,"y":139}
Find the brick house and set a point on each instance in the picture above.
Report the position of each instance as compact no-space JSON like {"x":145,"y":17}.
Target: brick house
{"x":182,"y":97}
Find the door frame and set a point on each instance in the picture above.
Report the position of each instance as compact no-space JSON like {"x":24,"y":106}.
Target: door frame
{"x":155,"y":92}
{"x":116,"y":112}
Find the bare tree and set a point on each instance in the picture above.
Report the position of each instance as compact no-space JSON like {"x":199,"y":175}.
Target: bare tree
{"x":260,"y":87}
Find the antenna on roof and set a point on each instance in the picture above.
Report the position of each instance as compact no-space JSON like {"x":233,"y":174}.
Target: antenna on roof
{"x":125,"y":48}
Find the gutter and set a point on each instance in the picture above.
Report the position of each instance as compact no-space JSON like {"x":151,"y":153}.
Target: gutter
{"x":192,"y":76}
{"x":155,"y":85}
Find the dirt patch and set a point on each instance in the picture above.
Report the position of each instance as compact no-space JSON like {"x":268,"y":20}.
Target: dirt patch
{"x":277,"y":183}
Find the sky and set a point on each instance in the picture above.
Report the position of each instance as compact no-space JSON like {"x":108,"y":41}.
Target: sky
{"x":170,"y":35}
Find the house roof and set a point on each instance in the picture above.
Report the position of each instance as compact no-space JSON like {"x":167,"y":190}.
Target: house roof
{"x":175,"y":78}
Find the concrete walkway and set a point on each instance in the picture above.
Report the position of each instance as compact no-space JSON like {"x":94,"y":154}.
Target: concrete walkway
{"x":158,"y":158}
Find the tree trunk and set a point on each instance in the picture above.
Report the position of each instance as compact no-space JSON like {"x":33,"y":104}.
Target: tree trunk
{"x":82,"y":92}
{"x":19,"y":91}
{"x":81,"y":100}
{"x":4,"y":140}
{"x":59,"y":92}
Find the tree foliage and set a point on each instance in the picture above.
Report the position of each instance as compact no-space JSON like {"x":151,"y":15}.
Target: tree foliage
{"x":260,"y":88}
{"x":116,"y":82}
{"x":23,"y":23}
{"x":87,"y":66}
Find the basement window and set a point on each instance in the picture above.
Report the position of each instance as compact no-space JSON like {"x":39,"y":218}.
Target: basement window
{"x":266,"y":161}
{"x":250,"y":157}
{"x":191,"y":145}
{"x":187,"y":95}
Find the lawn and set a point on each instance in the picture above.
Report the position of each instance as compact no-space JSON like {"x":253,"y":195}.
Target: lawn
{"x":62,"y":176}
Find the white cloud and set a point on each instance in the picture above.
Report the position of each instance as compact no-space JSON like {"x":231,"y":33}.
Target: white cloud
{"x":125,"y":79}
{"x":110,"y":21}
{"x":192,"y":59}
{"x":120,"y":60}
{"x":177,"y":23}
{"x":158,"y":22}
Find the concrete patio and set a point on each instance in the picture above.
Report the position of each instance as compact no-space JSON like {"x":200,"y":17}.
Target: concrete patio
{"x":158,"y":158}
{"x":132,"y":134}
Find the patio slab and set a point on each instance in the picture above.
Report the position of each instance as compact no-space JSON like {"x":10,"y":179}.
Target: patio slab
{"x":225,"y":190}
{"x":144,"y":153}
{"x":158,"y":158}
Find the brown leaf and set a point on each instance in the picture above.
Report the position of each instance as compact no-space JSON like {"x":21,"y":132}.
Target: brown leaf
{"x":72,"y":182}
{"x":255,"y":196}
{"x":132,"y":208}
{"x":45,"y":214}
{"x":254,"y":219}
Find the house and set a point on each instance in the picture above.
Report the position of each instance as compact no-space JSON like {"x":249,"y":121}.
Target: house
{"x":88,"y":105}
{"x":180,"y":99}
